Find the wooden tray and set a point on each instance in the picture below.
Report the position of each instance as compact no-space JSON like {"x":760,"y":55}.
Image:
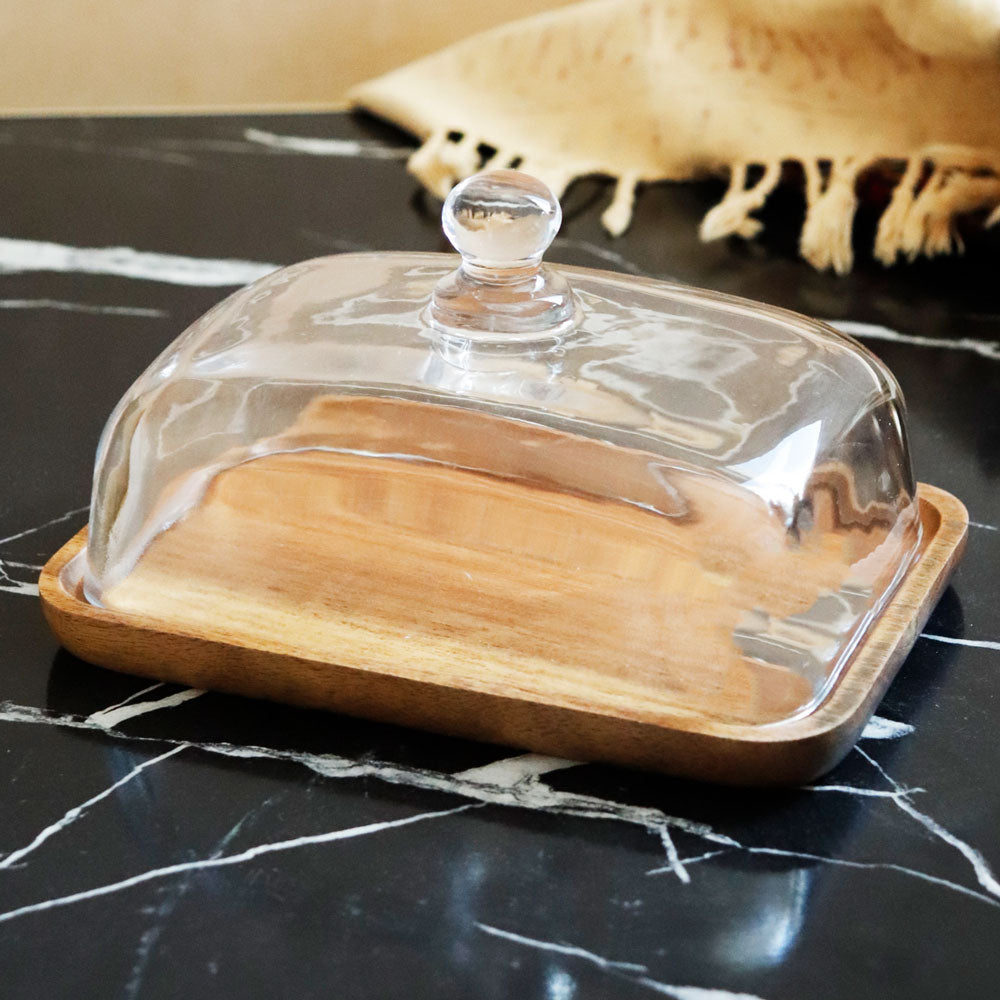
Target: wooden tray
{"x":228,"y":643}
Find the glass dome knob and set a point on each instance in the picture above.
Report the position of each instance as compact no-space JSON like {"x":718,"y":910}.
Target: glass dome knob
{"x":501,"y":219}
{"x":501,"y":222}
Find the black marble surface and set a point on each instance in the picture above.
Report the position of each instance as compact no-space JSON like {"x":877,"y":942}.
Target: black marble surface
{"x":198,"y":845}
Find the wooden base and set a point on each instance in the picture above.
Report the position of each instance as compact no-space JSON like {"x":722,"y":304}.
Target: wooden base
{"x":360,"y":648}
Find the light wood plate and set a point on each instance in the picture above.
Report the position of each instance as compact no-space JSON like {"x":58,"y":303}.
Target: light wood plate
{"x":366,"y":653}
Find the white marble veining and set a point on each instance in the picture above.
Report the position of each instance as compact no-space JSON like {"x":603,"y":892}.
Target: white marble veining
{"x":37,"y":255}
{"x":169,"y":899}
{"x":34,"y":567}
{"x":182,"y":151}
{"x":528,"y":792}
{"x":879,"y":728}
{"x":12,"y":585}
{"x":863,"y":866}
{"x":693,"y":860}
{"x":984,"y":874}
{"x":108,"y":718}
{"x":875,"y":331}
{"x":632,"y":971}
{"x":72,"y":815}
{"x":853,"y":328}
{"x":674,"y":862}
{"x":900,"y":797}
{"x":522,"y":788}
{"x":224,"y":860}
{"x":9,"y":585}
{"x":312,"y":146}
{"x":562,"y":949}
{"x":15,"y":584}
{"x":147,"y":151}
{"x":33,"y":255}
{"x":59,"y":519}
{"x":510,"y":771}
{"x":872,"y":793}
{"x":952,"y":641}
{"x":127,"y":701}
{"x":82,"y":307}
{"x":198,"y":144}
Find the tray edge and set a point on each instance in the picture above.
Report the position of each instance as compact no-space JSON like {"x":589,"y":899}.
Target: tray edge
{"x":780,"y":753}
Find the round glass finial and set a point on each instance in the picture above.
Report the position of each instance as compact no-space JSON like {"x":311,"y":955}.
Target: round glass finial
{"x":501,"y":222}
{"x":501,"y":219}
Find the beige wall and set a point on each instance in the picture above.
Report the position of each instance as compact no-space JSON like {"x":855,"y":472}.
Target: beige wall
{"x":134,"y":55}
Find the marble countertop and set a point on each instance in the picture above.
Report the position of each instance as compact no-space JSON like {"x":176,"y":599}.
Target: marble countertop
{"x":158,"y":841}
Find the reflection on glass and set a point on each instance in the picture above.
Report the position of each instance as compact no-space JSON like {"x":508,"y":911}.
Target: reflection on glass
{"x":666,"y":494}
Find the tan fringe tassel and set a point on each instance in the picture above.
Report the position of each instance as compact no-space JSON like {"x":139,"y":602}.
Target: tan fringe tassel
{"x":814,"y":181}
{"x":889,"y":238}
{"x":960,"y":195}
{"x":962,"y":180}
{"x":618,"y":215}
{"x":732,"y":215}
{"x":914,"y":232}
{"x":826,"y":233}
{"x":440,"y":163}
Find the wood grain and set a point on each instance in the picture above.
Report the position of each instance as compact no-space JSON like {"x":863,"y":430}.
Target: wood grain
{"x":430,"y":596}
{"x":535,"y":577}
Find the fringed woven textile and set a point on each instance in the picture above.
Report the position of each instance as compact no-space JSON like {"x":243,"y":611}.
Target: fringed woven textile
{"x":651,"y":90}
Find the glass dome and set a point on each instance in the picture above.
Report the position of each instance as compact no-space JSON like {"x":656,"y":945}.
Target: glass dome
{"x":586,"y":481}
